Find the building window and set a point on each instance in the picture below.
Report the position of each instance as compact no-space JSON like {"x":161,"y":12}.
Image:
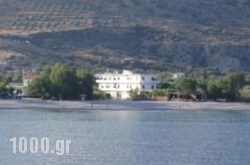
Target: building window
{"x":143,"y":86}
{"x":153,"y":79}
{"x":143,"y":78}
{"x":152,"y":87}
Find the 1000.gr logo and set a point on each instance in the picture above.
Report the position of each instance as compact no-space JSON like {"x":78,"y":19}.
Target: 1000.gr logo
{"x":62,"y":146}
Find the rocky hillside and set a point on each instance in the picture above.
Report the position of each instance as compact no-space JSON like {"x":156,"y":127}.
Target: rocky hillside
{"x":131,"y":34}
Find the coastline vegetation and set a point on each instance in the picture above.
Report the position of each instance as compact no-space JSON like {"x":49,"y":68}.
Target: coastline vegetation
{"x":231,"y":87}
{"x":61,"y":82}
{"x":5,"y":90}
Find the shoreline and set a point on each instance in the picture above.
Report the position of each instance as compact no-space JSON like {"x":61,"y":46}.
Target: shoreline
{"x":117,"y":105}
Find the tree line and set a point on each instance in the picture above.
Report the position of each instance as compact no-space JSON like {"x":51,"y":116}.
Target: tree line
{"x":61,"y":82}
{"x":7,"y":91}
{"x":231,"y":87}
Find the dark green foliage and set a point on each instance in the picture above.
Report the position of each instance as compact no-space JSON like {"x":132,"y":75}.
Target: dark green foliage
{"x":142,"y":95}
{"x":245,"y":93}
{"x":228,"y":87}
{"x":5,"y":91}
{"x":231,"y":85}
{"x":86,"y":81}
{"x":62,"y":82}
{"x":186,"y":85}
{"x":162,"y":92}
{"x":214,"y":91}
{"x":3,"y":88}
{"x":100,"y":95}
{"x":16,"y":78}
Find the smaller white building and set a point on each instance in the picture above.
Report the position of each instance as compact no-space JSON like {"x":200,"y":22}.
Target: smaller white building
{"x":22,"y":86}
{"x":178,"y":75}
{"x":118,"y":85}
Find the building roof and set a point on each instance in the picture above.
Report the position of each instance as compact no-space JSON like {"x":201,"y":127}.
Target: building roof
{"x":124,"y":72}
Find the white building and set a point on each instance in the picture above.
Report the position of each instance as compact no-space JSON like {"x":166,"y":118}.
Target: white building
{"x":118,"y":85}
{"x":27,"y":79}
{"x":178,"y":75}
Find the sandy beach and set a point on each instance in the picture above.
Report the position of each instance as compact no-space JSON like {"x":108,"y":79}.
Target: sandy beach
{"x":29,"y":104}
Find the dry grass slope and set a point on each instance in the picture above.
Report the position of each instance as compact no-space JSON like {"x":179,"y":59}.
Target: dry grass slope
{"x":132,"y":34}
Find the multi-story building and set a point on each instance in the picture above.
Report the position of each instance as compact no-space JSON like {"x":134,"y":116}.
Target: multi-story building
{"x":118,"y":85}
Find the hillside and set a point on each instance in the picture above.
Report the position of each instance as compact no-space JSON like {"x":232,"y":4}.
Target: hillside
{"x":133,"y":34}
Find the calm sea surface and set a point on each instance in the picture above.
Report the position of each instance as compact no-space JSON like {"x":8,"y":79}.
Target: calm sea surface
{"x":130,"y":137}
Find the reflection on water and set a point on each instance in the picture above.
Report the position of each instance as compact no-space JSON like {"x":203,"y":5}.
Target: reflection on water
{"x":131,"y":137}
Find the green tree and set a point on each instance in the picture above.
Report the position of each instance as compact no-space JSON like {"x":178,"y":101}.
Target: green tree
{"x":18,"y":78}
{"x":245,"y":93}
{"x":99,"y":94}
{"x":64,"y":83}
{"x":134,"y":94}
{"x":39,"y":87}
{"x":86,"y":81}
{"x":231,"y":85}
{"x":186,"y":85}
{"x":61,"y":82}
{"x":4,"y":89}
{"x":214,"y":91}
{"x":202,"y":86}
{"x":205,"y":76}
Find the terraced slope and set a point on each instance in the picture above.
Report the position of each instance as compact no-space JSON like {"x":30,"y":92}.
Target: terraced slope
{"x":132,"y":34}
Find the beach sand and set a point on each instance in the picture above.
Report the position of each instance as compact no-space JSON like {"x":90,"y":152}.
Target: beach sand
{"x":33,"y":104}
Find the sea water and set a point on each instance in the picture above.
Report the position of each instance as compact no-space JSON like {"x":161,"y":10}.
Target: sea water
{"x":125,"y":137}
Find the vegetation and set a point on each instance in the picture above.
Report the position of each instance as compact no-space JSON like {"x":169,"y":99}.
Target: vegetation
{"x":245,"y":93}
{"x":100,"y":95}
{"x":230,"y":87}
{"x":5,"y":91}
{"x":143,"y":95}
{"x":184,"y":35}
{"x":61,"y":82}
{"x":186,"y":85}
{"x":162,"y":92}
